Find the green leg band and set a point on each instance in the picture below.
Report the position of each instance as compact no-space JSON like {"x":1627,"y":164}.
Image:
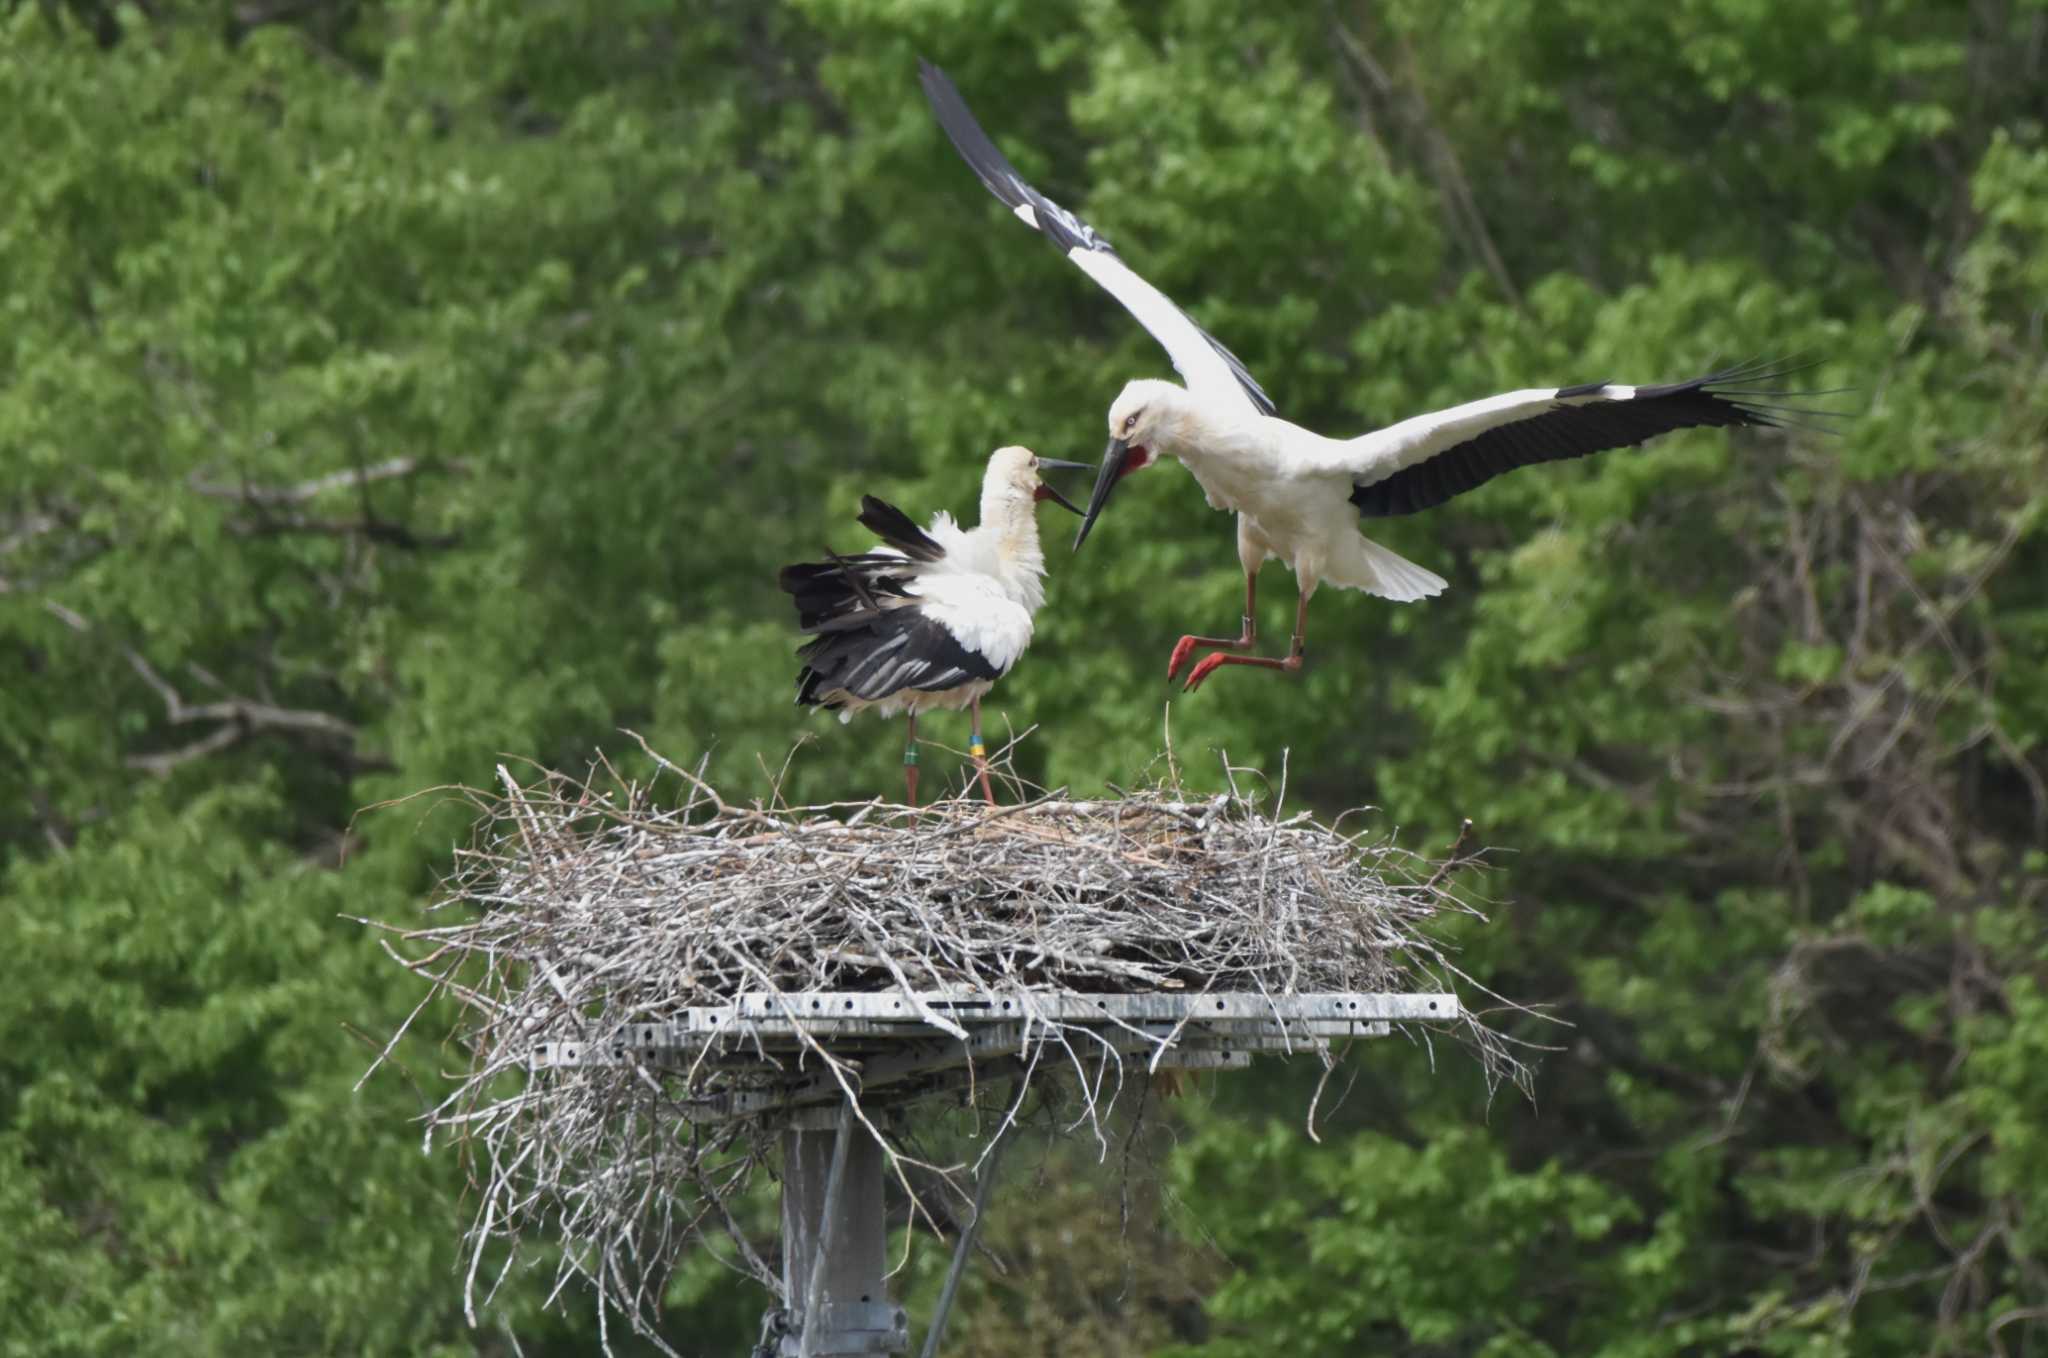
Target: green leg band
{"x":910,"y":756}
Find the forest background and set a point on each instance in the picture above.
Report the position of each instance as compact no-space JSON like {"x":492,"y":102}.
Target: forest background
{"x":388,"y":389}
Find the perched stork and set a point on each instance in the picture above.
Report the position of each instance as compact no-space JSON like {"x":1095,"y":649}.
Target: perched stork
{"x":933,"y":617}
{"x":1299,"y":495}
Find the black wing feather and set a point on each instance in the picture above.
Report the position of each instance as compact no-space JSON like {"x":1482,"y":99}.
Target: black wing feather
{"x":1717,"y":400}
{"x":825,"y":590}
{"x":828,"y":593}
{"x":898,"y":529}
{"x":1055,"y":223}
{"x":875,"y":655}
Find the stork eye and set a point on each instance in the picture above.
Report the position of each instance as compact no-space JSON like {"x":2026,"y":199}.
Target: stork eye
{"x":1131,"y":421}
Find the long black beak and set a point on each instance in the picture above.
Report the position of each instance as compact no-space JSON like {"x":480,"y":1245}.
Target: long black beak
{"x":1046,"y":491}
{"x":1111,"y":472}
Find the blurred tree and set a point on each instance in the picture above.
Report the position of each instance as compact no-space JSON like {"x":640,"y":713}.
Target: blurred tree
{"x":391,"y":388}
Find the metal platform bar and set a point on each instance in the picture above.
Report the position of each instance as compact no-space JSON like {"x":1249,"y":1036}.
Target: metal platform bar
{"x":971,"y":1006}
{"x":888,"y":1014}
{"x":888,"y":1035}
{"x":789,"y":1043}
{"x":783,"y":1037}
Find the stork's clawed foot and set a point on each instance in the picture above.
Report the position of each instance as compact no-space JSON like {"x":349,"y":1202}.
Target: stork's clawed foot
{"x":1208,"y":665}
{"x":1188,"y":645}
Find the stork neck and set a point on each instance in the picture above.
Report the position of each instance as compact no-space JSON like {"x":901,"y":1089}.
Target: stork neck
{"x":1011,"y":522}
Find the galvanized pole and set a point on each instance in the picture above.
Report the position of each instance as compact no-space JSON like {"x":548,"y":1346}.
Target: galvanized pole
{"x":835,"y":1244}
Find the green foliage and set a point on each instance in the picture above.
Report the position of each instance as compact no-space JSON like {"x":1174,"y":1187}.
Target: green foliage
{"x":389,"y":389}
{"x":1356,"y":1229}
{"x":1077,"y":1256}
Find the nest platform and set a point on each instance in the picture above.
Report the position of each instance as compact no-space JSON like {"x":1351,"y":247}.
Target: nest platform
{"x":659,"y":986}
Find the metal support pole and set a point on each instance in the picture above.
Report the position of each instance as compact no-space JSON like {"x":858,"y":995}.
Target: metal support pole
{"x":936,"y":1335}
{"x":835,"y":1245}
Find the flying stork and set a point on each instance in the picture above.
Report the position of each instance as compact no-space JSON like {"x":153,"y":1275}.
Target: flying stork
{"x":933,"y":617}
{"x":1298,"y":495}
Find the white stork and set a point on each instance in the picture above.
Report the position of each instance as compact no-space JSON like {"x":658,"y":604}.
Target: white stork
{"x":931,"y":619}
{"x":1298,"y":495}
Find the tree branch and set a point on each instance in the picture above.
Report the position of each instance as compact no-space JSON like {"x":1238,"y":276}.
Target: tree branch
{"x":1444,"y":165}
{"x":163,"y":762}
{"x":353,"y":477}
{"x":374,"y":529}
{"x":239,"y":717}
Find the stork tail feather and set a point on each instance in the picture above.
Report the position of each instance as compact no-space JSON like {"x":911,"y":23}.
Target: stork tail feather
{"x":1379,"y":571}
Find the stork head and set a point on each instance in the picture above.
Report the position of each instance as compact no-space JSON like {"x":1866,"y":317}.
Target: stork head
{"x":1013,"y":476}
{"x":1136,"y":418}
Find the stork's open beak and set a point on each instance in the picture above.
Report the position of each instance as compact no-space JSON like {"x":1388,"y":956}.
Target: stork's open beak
{"x":1112,"y":471}
{"x":1045,"y":489}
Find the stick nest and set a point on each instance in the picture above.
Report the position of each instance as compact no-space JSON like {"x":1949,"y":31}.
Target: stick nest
{"x":585,"y":904}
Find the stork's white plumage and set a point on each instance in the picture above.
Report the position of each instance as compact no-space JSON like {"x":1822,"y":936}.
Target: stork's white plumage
{"x":1299,"y":495}
{"x":933,"y":617}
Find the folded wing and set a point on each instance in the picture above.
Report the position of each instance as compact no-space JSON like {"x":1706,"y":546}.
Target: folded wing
{"x":870,"y":656}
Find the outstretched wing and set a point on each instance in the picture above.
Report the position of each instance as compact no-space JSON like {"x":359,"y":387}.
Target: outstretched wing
{"x":1422,"y":462}
{"x":1203,"y":363}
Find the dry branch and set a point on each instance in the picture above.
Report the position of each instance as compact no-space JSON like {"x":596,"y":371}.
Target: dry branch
{"x":239,"y":717}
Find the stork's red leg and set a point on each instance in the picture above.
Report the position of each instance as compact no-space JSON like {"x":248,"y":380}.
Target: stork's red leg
{"x":910,"y":763}
{"x":980,"y":753}
{"x":1243,"y":641}
{"x":1292,"y":661}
